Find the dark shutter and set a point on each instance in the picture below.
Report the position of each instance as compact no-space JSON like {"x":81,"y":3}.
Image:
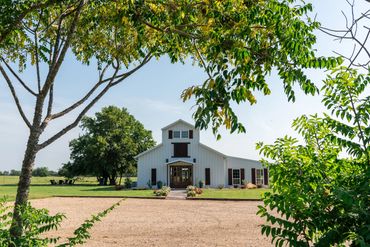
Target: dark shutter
{"x":266,"y":176}
{"x":242,"y":176}
{"x":191,"y":134}
{"x":180,"y":149}
{"x":154,"y":176}
{"x":230,"y":176}
{"x":253,"y":173}
{"x":170,"y":134}
{"x":208,"y":176}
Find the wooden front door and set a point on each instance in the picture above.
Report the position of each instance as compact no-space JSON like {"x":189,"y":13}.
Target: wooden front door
{"x":181,"y":176}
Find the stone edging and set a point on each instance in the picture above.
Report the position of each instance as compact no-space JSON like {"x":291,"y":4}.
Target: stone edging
{"x":132,"y":197}
{"x":224,"y":199}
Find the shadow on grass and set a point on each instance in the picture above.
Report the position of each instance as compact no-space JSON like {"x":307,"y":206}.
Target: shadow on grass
{"x":102,"y":188}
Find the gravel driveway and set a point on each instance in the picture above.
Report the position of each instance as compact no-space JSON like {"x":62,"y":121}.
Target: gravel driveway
{"x":141,"y":222}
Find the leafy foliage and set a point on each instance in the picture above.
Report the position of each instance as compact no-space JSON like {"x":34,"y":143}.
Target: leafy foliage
{"x":111,"y":141}
{"x":320,"y":198}
{"x":38,"y":221}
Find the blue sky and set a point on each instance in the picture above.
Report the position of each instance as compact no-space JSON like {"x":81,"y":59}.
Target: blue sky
{"x":153,"y":97}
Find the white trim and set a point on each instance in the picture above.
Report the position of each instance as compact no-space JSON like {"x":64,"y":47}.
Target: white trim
{"x":178,"y":121}
{"x":148,"y":151}
{"x":175,"y":161}
{"x":233,"y":157}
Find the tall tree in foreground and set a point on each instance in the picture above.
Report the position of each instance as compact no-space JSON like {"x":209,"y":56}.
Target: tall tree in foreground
{"x":237,"y":43}
{"x":109,"y":144}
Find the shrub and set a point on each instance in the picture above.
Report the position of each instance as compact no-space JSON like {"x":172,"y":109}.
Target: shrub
{"x":191,"y":193}
{"x":38,"y":221}
{"x":198,"y":191}
{"x":128,"y":183}
{"x":163,"y":191}
{"x":190,"y":187}
{"x":159,"y":184}
{"x":220,"y":187}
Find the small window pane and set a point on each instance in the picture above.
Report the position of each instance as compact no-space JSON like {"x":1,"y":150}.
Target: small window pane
{"x":259,"y":176}
{"x":184,"y":134}
{"x":176,"y":134}
{"x":236,"y":176}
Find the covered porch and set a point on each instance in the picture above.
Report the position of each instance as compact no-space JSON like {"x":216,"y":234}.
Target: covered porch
{"x":180,"y":174}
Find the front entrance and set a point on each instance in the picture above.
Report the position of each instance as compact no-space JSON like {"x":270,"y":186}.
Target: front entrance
{"x":181,"y":176}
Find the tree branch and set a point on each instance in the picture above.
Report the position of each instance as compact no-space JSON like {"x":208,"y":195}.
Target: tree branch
{"x":82,"y":100}
{"x":113,"y":82}
{"x":14,"y":94}
{"x":19,"y":79}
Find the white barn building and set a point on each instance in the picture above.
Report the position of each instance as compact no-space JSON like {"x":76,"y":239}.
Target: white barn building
{"x":181,"y":160}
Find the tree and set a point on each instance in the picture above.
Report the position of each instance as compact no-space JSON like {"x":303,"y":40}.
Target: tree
{"x":237,"y":43}
{"x":321,"y":198}
{"x":40,"y":172}
{"x":109,"y":144}
{"x":15,"y":173}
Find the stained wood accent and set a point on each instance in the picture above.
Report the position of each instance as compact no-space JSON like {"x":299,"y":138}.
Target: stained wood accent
{"x":180,"y":149}
{"x":154,"y":176}
{"x":170,"y":134}
{"x":265,"y":176}
{"x":242,"y":175}
{"x":181,"y":176}
{"x":190,"y":134}
{"x":208,"y":176}
{"x":230,"y":176}
{"x":253,"y":173}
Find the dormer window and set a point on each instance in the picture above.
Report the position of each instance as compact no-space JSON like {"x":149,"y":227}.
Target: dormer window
{"x":184,"y":134}
{"x":176,"y":134}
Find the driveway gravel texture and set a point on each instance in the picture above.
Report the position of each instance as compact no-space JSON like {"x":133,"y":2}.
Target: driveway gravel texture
{"x":149,"y":222}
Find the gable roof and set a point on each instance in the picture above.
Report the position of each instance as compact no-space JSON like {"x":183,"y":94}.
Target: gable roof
{"x":212,"y":150}
{"x":177,"y":122}
{"x":148,"y":151}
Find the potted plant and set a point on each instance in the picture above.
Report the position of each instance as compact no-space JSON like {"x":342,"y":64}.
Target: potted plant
{"x":201,"y":184}
{"x":159,"y":184}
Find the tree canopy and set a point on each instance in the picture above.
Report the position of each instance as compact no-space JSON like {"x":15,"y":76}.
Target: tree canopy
{"x":236,"y":42}
{"x":109,"y":144}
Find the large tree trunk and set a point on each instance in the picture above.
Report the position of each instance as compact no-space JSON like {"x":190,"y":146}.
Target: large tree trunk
{"x":25,"y":180}
{"x":32,"y":148}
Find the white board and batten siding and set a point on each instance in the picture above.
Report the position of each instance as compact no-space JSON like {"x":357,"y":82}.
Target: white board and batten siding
{"x":199,"y":157}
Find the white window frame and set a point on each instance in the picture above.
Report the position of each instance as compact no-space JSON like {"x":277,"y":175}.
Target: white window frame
{"x":259,"y":177}
{"x":176,"y":132}
{"x":236,"y":179}
{"x":186,"y":132}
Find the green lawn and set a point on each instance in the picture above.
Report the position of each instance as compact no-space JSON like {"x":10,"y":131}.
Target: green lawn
{"x":41,"y":188}
{"x":233,"y":193}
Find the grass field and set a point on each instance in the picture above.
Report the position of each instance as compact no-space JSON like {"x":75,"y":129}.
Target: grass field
{"x":41,"y":188}
{"x":233,"y":193}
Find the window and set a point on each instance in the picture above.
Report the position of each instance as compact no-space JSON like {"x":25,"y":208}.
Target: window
{"x":176,"y":134}
{"x":259,"y":176}
{"x":208,"y":176}
{"x":184,"y":134}
{"x":180,"y":149}
{"x":154,"y":176}
{"x":236,"y":176}
{"x":170,"y":134}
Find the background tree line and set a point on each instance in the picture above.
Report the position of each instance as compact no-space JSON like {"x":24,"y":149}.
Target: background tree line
{"x":37,"y":172}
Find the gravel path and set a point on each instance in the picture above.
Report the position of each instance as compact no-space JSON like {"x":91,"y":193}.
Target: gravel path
{"x":141,"y":222}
